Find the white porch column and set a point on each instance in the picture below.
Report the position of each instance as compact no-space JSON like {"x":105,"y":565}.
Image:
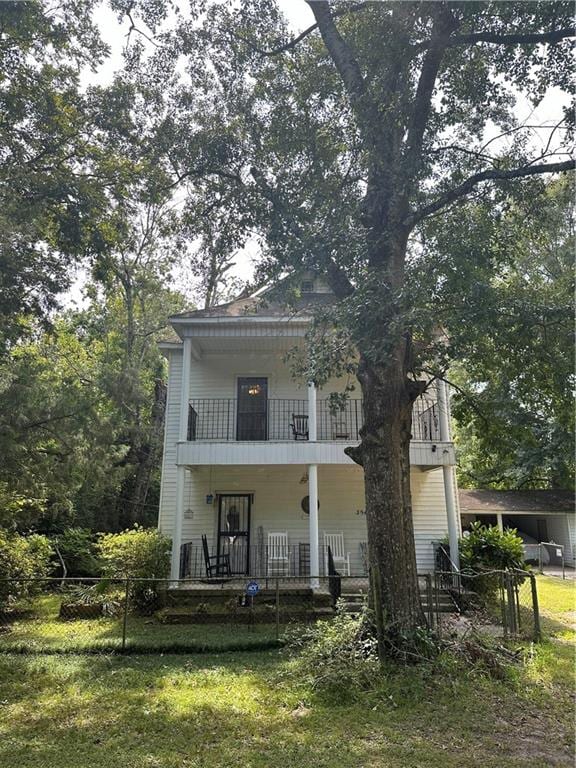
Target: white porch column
{"x":313,"y":523}
{"x":448,"y":474}
{"x":499,"y":521}
{"x":313,"y":491}
{"x":180,"y":470}
{"x":185,"y":388}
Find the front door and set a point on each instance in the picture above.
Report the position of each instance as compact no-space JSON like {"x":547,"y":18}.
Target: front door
{"x":252,"y":416}
{"x":234,"y":530}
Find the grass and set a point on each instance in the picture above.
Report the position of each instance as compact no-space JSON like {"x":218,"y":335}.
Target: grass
{"x":44,"y":631}
{"x":244,"y":709}
{"x":557,"y":600}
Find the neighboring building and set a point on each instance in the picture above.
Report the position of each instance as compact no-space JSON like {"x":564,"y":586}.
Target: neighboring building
{"x":248,"y":450}
{"x":539,"y":516}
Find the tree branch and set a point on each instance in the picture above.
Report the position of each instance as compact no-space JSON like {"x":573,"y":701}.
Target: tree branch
{"x":526,"y":38}
{"x":444,"y":25}
{"x":467,"y":186}
{"x":340,"y":52}
{"x":294,"y":42}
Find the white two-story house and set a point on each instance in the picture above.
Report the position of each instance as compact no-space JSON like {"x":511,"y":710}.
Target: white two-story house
{"x":254,"y":472}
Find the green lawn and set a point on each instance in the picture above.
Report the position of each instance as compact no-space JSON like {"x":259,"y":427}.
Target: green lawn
{"x":242,"y":709}
{"x":557,"y":601}
{"x":44,"y":630}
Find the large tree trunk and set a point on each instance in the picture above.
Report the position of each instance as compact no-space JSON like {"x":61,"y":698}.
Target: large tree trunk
{"x":384,"y":453}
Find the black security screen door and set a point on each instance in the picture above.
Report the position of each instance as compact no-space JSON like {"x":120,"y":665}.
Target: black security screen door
{"x":252,"y":417}
{"x":234,"y":530}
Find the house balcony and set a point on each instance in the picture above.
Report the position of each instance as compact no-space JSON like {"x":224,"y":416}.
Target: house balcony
{"x":225,"y":431}
{"x":222,"y":420}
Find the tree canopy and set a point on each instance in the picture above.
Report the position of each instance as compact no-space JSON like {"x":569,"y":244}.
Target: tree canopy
{"x":381,"y":147}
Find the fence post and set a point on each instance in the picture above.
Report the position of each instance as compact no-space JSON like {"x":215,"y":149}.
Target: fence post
{"x":437,"y":582}
{"x":125,"y":620}
{"x":511,"y":604}
{"x":503,"y":604}
{"x":535,"y":609}
{"x":429,"y":600}
{"x":277,"y":608}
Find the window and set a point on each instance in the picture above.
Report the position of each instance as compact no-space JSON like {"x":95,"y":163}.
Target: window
{"x":307,"y":286}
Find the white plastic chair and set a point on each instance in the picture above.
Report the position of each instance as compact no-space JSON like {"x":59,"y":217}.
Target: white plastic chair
{"x":278,"y":554}
{"x":341,"y":558}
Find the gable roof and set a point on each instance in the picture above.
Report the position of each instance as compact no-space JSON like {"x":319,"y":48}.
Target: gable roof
{"x":268,"y":301}
{"x":516,"y":501}
{"x":251,"y":306}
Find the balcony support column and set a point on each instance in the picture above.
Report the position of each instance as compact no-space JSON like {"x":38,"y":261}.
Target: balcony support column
{"x":181,"y":470}
{"x":178,"y":518}
{"x":185,"y":388}
{"x":313,"y":491}
{"x":449,"y":479}
{"x":313,"y":525}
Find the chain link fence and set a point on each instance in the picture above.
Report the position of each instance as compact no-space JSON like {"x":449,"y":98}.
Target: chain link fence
{"x":198,"y":615}
{"x":502,"y":603}
{"x":548,"y":556}
{"x":152,"y":615}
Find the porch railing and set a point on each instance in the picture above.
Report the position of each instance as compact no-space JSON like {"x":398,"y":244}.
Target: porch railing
{"x":285,"y":419}
{"x":257,"y":560}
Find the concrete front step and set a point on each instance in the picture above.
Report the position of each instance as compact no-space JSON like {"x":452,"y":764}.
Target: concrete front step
{"x":442,"y":602}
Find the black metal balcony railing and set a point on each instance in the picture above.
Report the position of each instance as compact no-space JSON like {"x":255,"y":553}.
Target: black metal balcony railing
{"x":218,"y":419}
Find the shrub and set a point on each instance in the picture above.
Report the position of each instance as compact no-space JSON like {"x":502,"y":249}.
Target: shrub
{"x":489,"y":548}
{"x":138,"y":553}
{"x":22,"y":557}
{"x":78,"y":550}
{"x":337,"y":657}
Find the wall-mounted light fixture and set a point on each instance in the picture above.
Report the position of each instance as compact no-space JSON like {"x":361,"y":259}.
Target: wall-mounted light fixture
{"x":209,"y":498}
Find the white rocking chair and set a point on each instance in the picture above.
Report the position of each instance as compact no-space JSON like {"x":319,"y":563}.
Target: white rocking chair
{"x":341,"y":558}
{"x":278,"y":560}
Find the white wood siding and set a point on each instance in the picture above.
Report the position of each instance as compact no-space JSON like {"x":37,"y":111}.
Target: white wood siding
{"x":561,"y":531}
{"x":278,"y":492}
{"x":571,"y":520}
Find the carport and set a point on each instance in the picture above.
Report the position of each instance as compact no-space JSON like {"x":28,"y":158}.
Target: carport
{"x":539,"y":516}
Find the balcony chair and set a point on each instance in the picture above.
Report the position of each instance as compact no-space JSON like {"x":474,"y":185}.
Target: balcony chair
{"x":216,"y":565}
{"x":299,"y":426}
{"x":341,"y":558}
{"x":339,"y":427}
{"x":278,"y":560}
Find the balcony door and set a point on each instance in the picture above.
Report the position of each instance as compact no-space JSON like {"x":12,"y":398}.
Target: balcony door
{"x":252,"y":405}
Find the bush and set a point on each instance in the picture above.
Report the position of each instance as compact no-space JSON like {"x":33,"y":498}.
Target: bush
{"x":138,"y":553}
{"x":489,"y":548}
{"x":337,"y":657}
{"x":78,"y":550}
{"x":22,"y":557}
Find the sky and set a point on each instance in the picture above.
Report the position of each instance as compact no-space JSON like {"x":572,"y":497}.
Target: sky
{"x":299,"y":16}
